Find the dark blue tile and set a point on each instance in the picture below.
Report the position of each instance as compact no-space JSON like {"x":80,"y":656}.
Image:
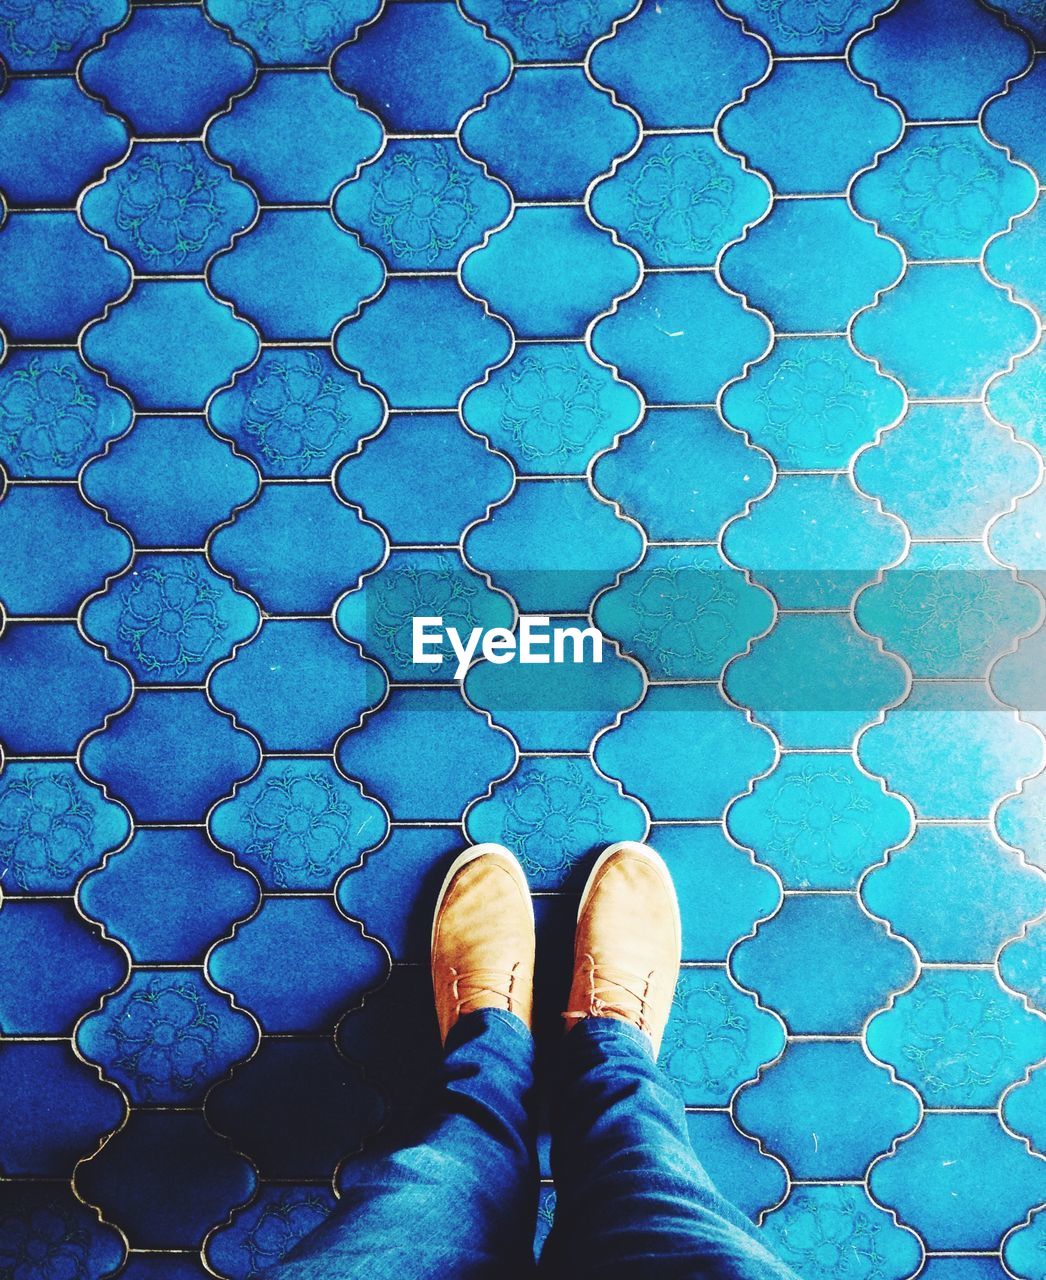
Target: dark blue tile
{"x":821,"y":28}
{"x":170,"y":756}
{"x":57,"y":1110}
{"x":45,"y":1230}
{"x":326,"y":1109}
{"x":167,"y":1178}
{"x":260,"y":1234}
{"x":1014,"y":118}
{"x":57,"y":964}
{"x":53,"y":39}
{"x":168,"y":896}
{"x":547,"y":31}
{"x":167,"y":70}
{"x":297,"y":32}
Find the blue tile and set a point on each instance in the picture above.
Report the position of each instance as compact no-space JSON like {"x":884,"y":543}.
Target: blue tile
{"x":297,"y":32}
{"x":54,"y":826}
{"x":453,"y":477}
{"x":169,"y":207}
{"x":54,"y":139}
{"x":297,"y":274}
{"x":202,"y":753}
{"x":134,"y":343}
{"x":168,"y":896}
{"x":52,"y":576}
{"x":1017,"y":538}
{"x":551,"y":408}
{"x":1026,"y":15}
{"x":944,"y":330}
{"x":58,"y":1109}
{"x":170,"y":618}
{"x":167,"y":70}
{"x":1018,"y":398}
{"x":423,"y":342}
{"x":1023,"y":1107}
{"x":1017,"y":259}
{"x":819,"y":821}
{"x":555,"y":815}
{"x":297,"y":548}
{"x":547,"y":31}
{"x":678,"y":64}
{"x":951,"y":1159}
{"x":298,"y":964}
{"x":54,"y":414}
{"x":396,"y":67}
{"x":549,"y":271}
{"x":824,"y":27}
{"x":803,"y":1110}
{"x":71,"y":966}
{"x":682,"y":475}
{"x":556,"y":706}
{"x":679,"y":199}
{"x":679,"y":338}
{"x":511,"y":135}
{"x":795,"y":961}
{"x":421,"y":204}
{"x":55,"y":688}
{"x":169,"y":481}
{"x":260,"y":1234}
{"x":298,"y":825}
{"x":955,"y":893}
{"x":53,"y":39}
{"x":325,"y":1112}
{"x":780,"y":264}
{"x":1021,"y":819}
{"x":959,"y":1038}
{"x":1011,"y":119}
{"x":812,"y":403}
{"x":398,"y":755}
{"x":166,"y":1037}
{"x":746,"y":1176}
{"x":130,"y":1179}
{"x":822,"y":1229}
{"x":295,"y":412}
{"x":295,"y":136}
{"x":1024,"y":1247}
{"x":1021,"y":964}
{"x":715,"y":751}
{"x":46,"y":1227}
{"x":716,"y":1038}
{"x":553,"y":545}
{"x":810,"y":126}
{"x":42,"y":304}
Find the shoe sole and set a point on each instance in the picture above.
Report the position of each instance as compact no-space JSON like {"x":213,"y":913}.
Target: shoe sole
{"x":649,"y":855}
{"x":463,"y":860}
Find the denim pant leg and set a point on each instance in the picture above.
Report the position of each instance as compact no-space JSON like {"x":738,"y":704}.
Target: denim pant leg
{"x":460,"y":1201}
{"x":632,"y":1200}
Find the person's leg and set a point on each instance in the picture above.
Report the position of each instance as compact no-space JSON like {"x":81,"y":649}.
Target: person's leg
{"x":459,"y":1202}
{"x":632,"y":1200}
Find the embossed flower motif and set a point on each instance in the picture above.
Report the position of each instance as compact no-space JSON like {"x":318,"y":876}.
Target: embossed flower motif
{"x":168,"y":207}
{"x":42,"y":29}
{"x":808,"y":19}
{"x":819,"y":820}
{"x":956,"y":1037}
{"x":45,"y":828}
{"x":47,"y":415}
{"x":170,"y":618}
{"x":706,"y":1039}
{"x":165,"y":1036}
{"x":295,"y":410}
{"x":409,"y":592}
{"x":299,"y":826}
{"x":812,"y":402}
{"x":288,"y":27}
{"x":551,"y":816}
{"x":43,"y":1245}
{"x":552,"y":406}
{"x":951,"y":613}
{"x":541,"y":25}
{"x":280,"y":1226}
{"x":833,"y":1238}
{"x":421,"y":203}
{"x":679,"y":201}
{"x":949,"y":188}
{"x":684,"y":613}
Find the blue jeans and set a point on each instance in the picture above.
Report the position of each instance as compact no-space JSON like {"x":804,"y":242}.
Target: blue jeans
{"x":460,"y":1201}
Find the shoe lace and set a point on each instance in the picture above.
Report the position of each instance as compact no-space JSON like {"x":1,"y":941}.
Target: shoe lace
{"x":479,"y":984}
{"x":615,"y":993}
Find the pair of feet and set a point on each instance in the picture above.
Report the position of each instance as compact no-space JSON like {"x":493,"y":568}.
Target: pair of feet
{"x":626,"y":947}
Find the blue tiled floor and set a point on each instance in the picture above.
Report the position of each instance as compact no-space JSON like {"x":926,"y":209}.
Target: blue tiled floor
{"x":717,"y":323}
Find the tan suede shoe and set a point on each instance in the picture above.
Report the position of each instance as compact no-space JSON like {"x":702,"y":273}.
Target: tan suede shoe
{"x":628,"y":942}
{"x":483,"y":937}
